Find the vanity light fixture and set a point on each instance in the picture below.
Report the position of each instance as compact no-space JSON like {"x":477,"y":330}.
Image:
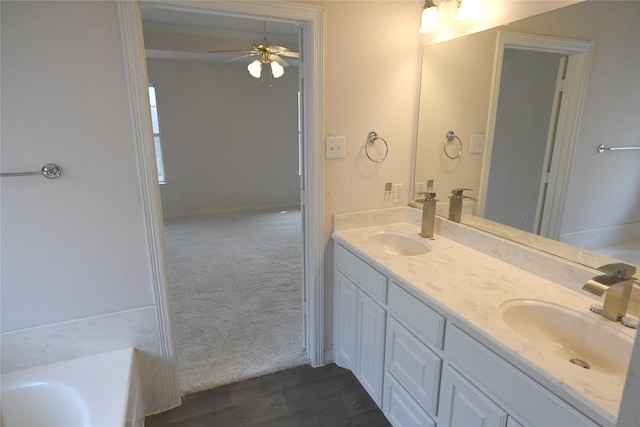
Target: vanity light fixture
{"x":438,"y":13}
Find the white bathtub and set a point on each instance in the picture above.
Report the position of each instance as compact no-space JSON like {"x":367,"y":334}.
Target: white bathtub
{"x":100,"y":390}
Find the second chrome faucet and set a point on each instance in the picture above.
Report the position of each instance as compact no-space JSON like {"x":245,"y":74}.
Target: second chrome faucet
{"x":617,"y":282}
{"x":428,"y":214}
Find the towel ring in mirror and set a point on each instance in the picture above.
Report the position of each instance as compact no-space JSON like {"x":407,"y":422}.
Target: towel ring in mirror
{"x":451,"y":137}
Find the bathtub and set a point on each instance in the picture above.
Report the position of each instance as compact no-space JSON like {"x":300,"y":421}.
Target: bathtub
{"x":100,"y":390}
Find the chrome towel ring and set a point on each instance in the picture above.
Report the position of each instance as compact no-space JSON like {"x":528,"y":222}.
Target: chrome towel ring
{"x":371,"y":139}
{"x":451,"y":136}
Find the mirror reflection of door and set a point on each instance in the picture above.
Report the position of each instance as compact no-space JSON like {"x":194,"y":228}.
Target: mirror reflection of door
{"x":529,"y":100}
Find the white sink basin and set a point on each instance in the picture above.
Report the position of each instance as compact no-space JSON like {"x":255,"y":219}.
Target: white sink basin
{"x":398,"y":243}
{"x":579,"y":338}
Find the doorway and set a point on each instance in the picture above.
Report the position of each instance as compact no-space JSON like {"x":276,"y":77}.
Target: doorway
{"x":310,"y":20}
{"x":523,"y":141}
{"x":230,"y":194}
{"x":546,"y":197}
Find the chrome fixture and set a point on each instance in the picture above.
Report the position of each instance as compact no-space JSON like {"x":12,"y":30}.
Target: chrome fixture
{"x":451,"y":137}
{"x":617,"y":282}
{"x":49,"y":171}
{"x":455,"y":203}
{"x":372,"y":138}
{"x":428,"y":214}
{"x":602,"y":148}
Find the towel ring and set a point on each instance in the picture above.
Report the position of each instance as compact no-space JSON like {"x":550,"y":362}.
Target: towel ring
{"x":372,"y":138}
{"x":450,"y":137}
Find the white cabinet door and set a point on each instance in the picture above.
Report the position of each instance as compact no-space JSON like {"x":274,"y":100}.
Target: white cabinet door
{"x":346,"y":326}
{"x":400,"y":408}
{"x":462,"y":404}
{"x":370,"y":348}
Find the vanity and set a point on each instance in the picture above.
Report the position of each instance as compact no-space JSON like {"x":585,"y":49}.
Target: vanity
{"x":444,"y":332}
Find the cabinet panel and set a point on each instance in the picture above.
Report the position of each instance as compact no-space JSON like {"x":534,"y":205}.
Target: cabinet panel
{"x":362,"y":274}
{"x":415,"y":366}
{"x":462,"y":404}
{"x":427,"y":324}
{"x":370,"y":348}
{"x":400,"y":408}
{"x":532,"y":404}
{"x":346,"y":316}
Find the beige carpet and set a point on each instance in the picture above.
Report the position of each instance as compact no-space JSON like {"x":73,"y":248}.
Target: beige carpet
{"x":236,"y":283}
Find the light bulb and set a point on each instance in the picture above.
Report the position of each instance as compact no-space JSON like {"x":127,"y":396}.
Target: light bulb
{"x":255,"y":68}
{"x":448,"y":11}
{"x":429,"y":19}
{"x":276,"y":69}
{"x":470,"y":10}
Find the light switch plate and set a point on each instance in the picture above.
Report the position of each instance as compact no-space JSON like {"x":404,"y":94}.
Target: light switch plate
{"x":335,"y":147}
{"x":476,"y":146}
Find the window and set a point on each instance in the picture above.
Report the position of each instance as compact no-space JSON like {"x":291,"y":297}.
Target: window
{"x":156,"y":134}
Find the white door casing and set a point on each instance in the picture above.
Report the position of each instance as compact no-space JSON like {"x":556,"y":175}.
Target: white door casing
{"x":310,"y":18}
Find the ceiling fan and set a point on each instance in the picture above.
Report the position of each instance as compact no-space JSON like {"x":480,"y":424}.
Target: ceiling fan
{"x":266,"y":53}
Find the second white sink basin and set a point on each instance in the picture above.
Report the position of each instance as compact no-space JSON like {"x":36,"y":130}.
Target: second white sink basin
{"x":398,"y":243}
{"x":576,"y":337}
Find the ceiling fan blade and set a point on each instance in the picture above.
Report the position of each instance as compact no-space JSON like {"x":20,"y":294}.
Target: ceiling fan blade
{"x":247,"y":51}
{"x":276,"y":58}
{"x":290,"y":54}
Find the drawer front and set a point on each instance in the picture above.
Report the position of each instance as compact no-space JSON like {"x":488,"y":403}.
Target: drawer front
{"x":415,"y":366}
{"x":426,"y":323}
{"x":362,"y":274}
{"x":400,"y":408}
{"x":532,"y":404}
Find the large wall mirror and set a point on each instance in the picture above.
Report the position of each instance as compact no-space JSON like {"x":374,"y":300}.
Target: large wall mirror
{"x":575,"y":202}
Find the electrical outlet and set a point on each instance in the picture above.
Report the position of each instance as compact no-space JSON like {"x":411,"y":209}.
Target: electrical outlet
{"x":421,"y":187}
{"x":476,"y":146}
{"x":398,"y":193}
{"x":335,"y":147}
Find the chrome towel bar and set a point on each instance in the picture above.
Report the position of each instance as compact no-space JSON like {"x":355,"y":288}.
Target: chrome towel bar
{"x":49,"y":171}
{"x":602,"y":148}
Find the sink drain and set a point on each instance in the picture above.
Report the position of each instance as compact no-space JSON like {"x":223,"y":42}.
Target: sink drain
{"x":580,"y":363}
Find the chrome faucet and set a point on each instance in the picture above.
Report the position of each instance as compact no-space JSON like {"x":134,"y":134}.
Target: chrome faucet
{"x":617,"y":282}
{"x":455,"y":203}
{"x":428,"y":214}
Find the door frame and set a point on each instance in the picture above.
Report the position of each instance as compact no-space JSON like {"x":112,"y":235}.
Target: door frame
{"x":579,"y":53}
{"x":310,"y":19}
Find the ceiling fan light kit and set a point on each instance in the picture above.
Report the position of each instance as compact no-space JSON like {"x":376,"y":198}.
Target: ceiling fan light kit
{"x":267,"y":54}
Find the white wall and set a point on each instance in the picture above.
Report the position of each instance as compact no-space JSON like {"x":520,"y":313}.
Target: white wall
{"x":230,"y":141}
{"x":76,"y":277}
{"x":371,"y":75}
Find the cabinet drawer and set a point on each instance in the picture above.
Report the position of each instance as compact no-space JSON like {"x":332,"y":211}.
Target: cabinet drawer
{"x":415,"y":366}
{"x":362,"y":274}
{"x":400,"y":408}
{"x":426,"y":323}
{"x":532,"y":404}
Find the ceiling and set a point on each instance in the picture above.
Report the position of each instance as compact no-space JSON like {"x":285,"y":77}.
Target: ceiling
{"x":217,"y":22}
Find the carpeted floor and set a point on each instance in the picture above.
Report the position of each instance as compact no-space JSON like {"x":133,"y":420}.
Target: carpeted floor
{"x":236,"y":282}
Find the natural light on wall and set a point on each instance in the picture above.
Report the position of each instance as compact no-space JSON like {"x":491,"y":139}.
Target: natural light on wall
{"x":438,"y":15}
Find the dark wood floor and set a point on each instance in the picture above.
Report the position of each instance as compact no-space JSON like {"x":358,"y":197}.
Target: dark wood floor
{"x":303,"y":396}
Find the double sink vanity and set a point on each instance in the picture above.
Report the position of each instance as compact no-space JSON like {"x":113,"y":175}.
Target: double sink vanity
{"x":469,"y":329}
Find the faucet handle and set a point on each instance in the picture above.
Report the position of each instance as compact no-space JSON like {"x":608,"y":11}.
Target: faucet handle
{"x":619,"y":270}
{"x":458,"y":193}
{"x":428,"y":195}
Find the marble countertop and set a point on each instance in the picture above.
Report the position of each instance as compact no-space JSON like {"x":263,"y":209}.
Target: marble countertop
{"x":468,"y":286}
